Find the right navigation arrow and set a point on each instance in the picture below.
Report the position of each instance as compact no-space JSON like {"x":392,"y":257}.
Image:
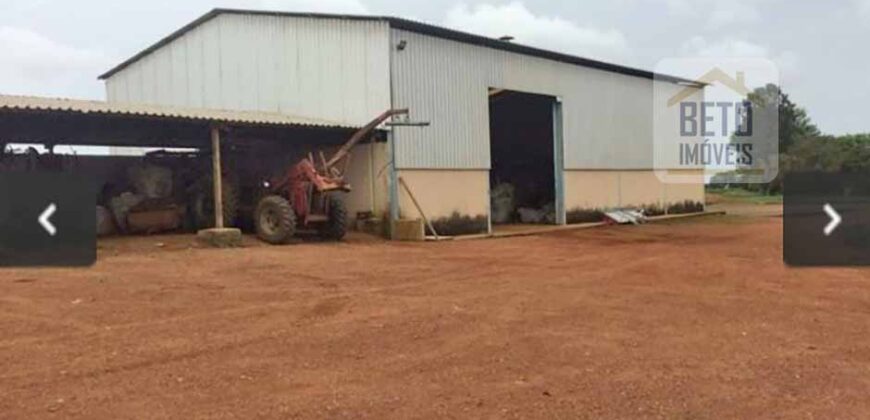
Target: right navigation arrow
{"x":836,"y":219}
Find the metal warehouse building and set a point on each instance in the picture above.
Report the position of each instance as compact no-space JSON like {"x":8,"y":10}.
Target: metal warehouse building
{"x":572,"y":132}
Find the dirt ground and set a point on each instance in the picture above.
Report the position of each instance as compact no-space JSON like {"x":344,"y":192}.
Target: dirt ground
{"x":689,"y":319}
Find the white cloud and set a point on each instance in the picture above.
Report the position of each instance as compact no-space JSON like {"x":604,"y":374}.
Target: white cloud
{"x":786,"y":61}
{"x":34,"y":64}
{"x":730,"y":47}
{"x":680,"y":7}
{"x":552,"y":33}
{"x":863,"y":8}
{"x":716,"y":14}
{"x":727,"y":13}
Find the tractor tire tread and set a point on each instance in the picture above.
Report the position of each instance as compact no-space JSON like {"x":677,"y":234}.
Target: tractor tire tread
{"x":286,"y":228}
{"x":336,"y":228}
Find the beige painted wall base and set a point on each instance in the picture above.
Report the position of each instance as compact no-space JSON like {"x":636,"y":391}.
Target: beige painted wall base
{"x":441,"y":193}
{"x":444,"y":194}
{"x":596,"y":189}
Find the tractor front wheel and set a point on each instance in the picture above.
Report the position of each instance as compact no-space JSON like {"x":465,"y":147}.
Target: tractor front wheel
{"x":274,"y":220}
{"x":336,"y":227}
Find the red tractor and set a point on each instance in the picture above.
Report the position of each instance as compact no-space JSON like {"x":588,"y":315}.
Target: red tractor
{"x":305,"y":196}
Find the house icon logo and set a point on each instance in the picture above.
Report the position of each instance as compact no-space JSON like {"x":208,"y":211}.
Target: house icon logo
{"x":715,"y":75}
{"x":719,"y":127}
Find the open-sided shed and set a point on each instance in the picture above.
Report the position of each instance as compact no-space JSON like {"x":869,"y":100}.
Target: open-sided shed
{"x":55,"y":122}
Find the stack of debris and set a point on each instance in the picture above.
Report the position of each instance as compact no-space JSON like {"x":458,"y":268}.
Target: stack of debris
{"x":503,"y":203}
{"x":151,"y":209}
{"x":504,"y":208}
{"x":543,"y":215}
{"x":626,"y":217}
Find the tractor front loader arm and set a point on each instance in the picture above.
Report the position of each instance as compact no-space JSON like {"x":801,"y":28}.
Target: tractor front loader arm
{"x":361,"y":134}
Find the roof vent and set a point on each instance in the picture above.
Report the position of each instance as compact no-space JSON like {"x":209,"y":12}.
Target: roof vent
{"x":506,"y":38}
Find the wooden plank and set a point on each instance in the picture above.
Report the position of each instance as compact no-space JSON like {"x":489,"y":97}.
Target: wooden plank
{"x":217,"y":179}
{"x":419,"y":209}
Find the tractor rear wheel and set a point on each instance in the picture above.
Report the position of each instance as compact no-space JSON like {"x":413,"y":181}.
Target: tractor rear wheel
{"x":274,"y":220}
{"x":336,"y":227}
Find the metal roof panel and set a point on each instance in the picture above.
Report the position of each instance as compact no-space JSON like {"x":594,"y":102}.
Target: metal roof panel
{"x":24,"y":103}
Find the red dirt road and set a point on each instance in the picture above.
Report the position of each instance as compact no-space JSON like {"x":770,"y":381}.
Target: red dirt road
{"x":696,"y":319}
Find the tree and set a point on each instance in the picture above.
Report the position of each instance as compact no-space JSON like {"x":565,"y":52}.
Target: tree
{"x":794,"y":122}
{"x":795,"y":128}
{"x":802,"y":146}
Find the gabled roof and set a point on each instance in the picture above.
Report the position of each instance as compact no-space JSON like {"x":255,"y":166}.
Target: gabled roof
{"x":411,"y":26}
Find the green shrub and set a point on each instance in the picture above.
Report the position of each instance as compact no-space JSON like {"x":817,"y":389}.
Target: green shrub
{"x":458,"y":224}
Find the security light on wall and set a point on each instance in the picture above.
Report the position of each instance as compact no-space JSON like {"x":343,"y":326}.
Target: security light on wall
{"x":402,"y":45}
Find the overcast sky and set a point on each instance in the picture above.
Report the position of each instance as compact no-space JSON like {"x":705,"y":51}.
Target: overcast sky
{"x":59,"y":47}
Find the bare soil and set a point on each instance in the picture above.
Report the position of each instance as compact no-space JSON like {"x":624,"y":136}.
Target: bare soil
{"x":690,"y":319}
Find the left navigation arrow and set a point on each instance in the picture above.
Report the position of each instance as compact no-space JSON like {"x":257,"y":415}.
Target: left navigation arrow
{"x":44,"y":219}
{"x":50,"y":222}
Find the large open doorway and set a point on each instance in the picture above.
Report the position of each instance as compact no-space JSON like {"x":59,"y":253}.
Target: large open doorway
{"x":523,"y":177}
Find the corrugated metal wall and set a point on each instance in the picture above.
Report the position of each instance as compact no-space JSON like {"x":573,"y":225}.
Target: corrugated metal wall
{"x":330,"y":69}
{"x":341,"y":70}
{"x":607,"y":116}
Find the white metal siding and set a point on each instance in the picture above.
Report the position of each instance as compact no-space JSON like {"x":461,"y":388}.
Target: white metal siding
{"x":607,"y":116}
{"x":329,"y":69}
{"x":340,"y":70}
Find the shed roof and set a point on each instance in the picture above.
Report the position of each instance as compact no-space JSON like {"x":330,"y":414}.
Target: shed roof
{"x":77,"y":106}
{"x":27,"y":119}
{"x":411,"y":26}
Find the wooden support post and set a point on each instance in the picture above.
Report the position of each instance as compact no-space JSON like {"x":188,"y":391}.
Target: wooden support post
{"x":217,"y":179}
{"x":419,"y":208}
{"x":220,"y":236}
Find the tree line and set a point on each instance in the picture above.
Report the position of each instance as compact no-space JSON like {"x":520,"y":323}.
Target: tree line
{"x":803,"y":147}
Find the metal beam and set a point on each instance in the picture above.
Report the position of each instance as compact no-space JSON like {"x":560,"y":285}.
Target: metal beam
{"x":559,"y":162}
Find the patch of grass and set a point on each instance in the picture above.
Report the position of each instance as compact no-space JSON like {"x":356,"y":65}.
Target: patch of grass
{"x":740,"y":195}
{"x":686,"y":207}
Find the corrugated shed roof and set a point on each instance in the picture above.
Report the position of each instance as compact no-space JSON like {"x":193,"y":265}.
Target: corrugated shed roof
{"x":33,"y":103}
